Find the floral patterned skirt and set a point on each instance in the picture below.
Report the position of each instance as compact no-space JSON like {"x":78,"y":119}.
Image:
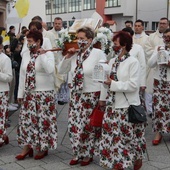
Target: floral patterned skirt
{"x":37,"y":121}
{"x":3,"y":114}
{"x":122,"y":142}
{"x":161,"y":101}
{"x":84,"y":138}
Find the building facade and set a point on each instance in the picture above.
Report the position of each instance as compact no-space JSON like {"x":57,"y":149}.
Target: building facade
{"x":3,"y":5}
{"x":150,"y":11}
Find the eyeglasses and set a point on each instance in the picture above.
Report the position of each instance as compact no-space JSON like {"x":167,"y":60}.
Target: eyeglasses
{"x":163,"y":23}
{"x":166,"y":36}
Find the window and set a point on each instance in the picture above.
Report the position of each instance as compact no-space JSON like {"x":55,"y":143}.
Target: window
{"x":48,"y":7}
{"x":113,"y":3}
{"x":74,"y":5}
{"x":89,"y":4}
{"x":146,"y":25}
{"x":155,"y":26}
{"x":59,"y":6}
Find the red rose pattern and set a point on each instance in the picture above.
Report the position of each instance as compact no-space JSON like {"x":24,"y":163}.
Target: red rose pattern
{"x":161,"y":98}
{"x":122,"y":142}
{"x":37,"y":121}
{"x":84,"y":138}
{"x":3,"y":113}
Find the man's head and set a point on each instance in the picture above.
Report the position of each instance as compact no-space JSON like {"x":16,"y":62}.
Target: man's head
{"x":12,"y":29}
{"x":37,"y":18}
{"x":58,"y":23}
{"x":128,"y":30}
{"x":163,"y":24}
{"x":35,"y":25}
{"x":139,"y":26}
{"x":129,"y":24}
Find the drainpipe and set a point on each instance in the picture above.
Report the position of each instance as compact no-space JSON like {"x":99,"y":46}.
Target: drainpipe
{"x":167,"y":9}
{"x":136,"y":9}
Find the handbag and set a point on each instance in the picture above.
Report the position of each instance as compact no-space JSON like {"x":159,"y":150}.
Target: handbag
{"x":136,"y":114}
{"x":96,"y":117}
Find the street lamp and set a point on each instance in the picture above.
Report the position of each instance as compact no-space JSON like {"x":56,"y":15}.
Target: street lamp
{"x":51,"y":2}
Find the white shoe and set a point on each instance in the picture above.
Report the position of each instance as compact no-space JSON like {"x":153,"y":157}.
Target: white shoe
{"x":14,"y":104}
{"x":12,"y":108}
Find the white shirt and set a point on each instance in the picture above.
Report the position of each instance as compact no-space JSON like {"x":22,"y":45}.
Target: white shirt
{"x":152,"y":62}
{"x":89,"y":85}
{"x":140,"y":39}
{"x":128,"y":74}
{"x":138,"y":52}
{"x":44,"y":67}
{"x":5,"y":72}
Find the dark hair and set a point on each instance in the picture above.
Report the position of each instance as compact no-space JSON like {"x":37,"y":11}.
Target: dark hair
{"x":125,"y":39}
{"x":167,"y":30}
{"x":6,"y":46}
{"x":107,"y":25}
{"x":164,"y":18}
{"x":11,"y":27}
{"x":128,"y":21}
{"x":23,"y":27}
{"x":88,"y":32}
{"x":37,"y":24}
{"x":37,"y":18}
{"x":36,"y":35}
{"x":129,"y":30}
{"x":14,"y":44}
{"x":139,"y":20}
{"x":1,"y":39}
{"x":58,"y":18}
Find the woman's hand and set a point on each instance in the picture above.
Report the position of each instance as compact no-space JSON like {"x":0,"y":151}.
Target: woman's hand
{"x":108,"y":81}
{"x":20,"y":100}
{"x":70,"y":52}
{"x":102,"y":103}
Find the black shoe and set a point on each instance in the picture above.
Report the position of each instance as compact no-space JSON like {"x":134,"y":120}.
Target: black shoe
{"x":61,"y":103}
{"x":150,"y":115}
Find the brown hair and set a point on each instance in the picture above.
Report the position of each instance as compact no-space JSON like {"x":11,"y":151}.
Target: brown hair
{"x":88,"y":32}
{"x":125,"y":39}
{"x":36,"y":35}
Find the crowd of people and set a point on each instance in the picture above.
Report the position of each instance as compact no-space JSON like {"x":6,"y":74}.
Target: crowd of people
{"x":34,"y":77}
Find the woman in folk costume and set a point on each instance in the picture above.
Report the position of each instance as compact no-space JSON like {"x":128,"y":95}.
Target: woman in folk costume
{"x":85,"y":94}
{"x":123,"y":143}
{"x":161,"y":92}
{"x":5,"y":78}
{"x":37,"y":119}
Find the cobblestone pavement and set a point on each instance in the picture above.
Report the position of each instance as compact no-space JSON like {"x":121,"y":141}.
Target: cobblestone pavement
{"x":157,"y":157}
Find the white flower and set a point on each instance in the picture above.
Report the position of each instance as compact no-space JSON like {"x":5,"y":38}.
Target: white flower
{"x":63,"y":37}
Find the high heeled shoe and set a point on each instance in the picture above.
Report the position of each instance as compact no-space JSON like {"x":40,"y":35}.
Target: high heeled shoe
{"x":22,"y":157}
{"x":74,"y":162}
{"x":40,"y":156}
{"x":6,"y":141}
{"x":84,"y":163}
{"x":138,"y":164}
{"x":157,"y":142}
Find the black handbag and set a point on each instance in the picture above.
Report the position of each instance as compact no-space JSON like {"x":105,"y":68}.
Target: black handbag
{"x":136,"y":114}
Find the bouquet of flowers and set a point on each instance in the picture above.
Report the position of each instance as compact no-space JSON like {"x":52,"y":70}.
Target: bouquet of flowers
{"x":64,"y":37}
{"x":104,"y":36}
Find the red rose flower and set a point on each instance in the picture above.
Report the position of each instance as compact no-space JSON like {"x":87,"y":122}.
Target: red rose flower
{"x":1,"y":131}
{"x":105,"y":153}
{"x":79,"y":76}
{"x":74,"y":129}
{"x":125,"y":152}
{"x":46,"y":123}
{"x":118,"y":166}
{"x":52,"y":107}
